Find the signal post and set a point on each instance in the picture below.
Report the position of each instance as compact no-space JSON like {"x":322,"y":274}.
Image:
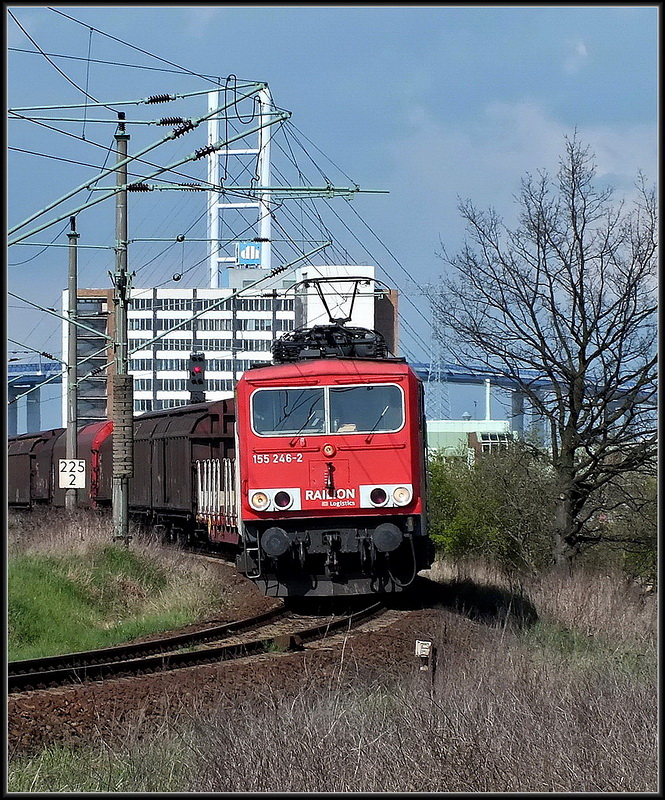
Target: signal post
{"x":122,"y":410}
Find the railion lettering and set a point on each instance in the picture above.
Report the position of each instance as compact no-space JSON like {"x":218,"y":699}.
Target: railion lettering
{"x":322,"y":494}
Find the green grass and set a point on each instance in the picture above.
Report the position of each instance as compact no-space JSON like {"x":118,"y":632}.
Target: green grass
{"x":549,"y":638}
{"x":109,"y":595}
{"x":152,"y":768}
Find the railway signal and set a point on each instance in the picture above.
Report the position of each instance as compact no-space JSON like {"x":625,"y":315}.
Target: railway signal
{"x":196,"y":377}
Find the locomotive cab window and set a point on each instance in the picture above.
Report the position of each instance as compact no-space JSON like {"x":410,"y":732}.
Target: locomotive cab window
{"x":345,"y":409}
{"x":281,"y":412}
{"x":366,"y":409}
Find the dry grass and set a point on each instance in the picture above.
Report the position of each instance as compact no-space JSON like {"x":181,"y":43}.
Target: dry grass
{"x":512,"y":712}
{"x":566,"y":703}
{"x":502,"y":723}
{"x":590,"y":603}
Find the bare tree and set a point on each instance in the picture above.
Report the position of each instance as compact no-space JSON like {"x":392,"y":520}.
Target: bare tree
{"x":567,"y":300}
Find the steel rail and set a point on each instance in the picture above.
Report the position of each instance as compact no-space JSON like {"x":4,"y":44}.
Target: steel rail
{"x":133,"y":650}
{"x":78,"y":673}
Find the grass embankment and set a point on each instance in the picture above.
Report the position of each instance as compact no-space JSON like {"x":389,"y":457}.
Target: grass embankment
{"x":564,"y":703}
{"x":70,"y":588}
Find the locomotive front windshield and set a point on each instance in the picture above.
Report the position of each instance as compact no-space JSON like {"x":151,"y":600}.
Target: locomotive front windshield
{"x":374,"y":408}
{"x":286,"y":411}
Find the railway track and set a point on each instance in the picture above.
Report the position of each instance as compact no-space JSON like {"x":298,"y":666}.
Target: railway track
{"x":277,"y":630}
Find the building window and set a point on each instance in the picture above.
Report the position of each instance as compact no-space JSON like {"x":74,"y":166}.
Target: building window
{"x":230,"y":364}
{"x":171,"y":364}
{"x":170,"y":402}
{"x":219,"y":385}
{"x":172,"y":385}
{"x":140,"y":364}
{"x":173,"y":344}
{"x":166,"y":323}
{"x":253,"y":345}
{"x":175,"y":304}
{"x":208,"y":324}
{"x":141,"y":304}
{"x":214,"y":345}
{"x":139,"y":323}
{"x":137,"y":344}
{"x":492,"y":442}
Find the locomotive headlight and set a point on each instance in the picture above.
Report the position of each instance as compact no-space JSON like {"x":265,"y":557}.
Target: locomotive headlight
{"x":259,"y":500}
{"x":378,"y":496}
{"x":282,"y":499}
{"x":402,"y":496}
{"x":328,"y":450}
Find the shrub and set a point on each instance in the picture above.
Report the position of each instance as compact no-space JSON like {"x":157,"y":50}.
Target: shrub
{"x":498,"y":509}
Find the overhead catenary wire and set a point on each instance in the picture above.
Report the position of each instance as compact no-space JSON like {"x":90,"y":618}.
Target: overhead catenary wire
{"x":170,"y":169}
{"x":183,"y":70}
{"x":308,"y":216}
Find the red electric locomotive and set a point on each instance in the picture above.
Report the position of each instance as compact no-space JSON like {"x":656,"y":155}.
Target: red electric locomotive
{"x":331,"y":468}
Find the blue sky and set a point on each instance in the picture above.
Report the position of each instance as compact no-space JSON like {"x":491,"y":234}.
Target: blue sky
{"x":432,"y":103}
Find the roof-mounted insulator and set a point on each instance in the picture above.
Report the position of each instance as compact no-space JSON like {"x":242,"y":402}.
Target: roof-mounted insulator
{"x":172,"y":120}
{"x":138,"y":187}
{"x":329,"y":341}
{"x":204,"y":151}
{"x":160,"y":98}
{"x":186,"y":127}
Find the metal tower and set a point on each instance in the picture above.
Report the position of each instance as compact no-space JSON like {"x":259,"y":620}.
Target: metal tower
{"x":257,"y":251}
{"x":437,"y":397}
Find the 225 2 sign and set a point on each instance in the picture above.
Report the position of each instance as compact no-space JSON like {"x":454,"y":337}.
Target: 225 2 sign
{"x":71,"y":473}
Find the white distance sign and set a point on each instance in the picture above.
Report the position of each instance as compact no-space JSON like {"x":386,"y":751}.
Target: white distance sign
{"x":71,"y":473}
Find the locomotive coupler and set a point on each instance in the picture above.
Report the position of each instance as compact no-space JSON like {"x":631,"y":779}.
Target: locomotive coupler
{"x":366,"y":550}
{"x":334,"y":543}
{"x":301,"y":542}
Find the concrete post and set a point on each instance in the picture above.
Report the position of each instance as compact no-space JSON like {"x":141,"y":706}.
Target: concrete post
{"x":34,"y":420}
{"x":517,"y":421}
{"x":12,"y":412}
{"x":72,"y":356}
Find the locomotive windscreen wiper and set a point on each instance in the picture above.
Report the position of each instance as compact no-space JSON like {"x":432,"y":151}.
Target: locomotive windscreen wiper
{"x":311,"y":415}
{"x":376,"y":424}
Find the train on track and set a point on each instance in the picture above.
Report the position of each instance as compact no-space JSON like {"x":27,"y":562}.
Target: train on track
{"x":314,"y":473}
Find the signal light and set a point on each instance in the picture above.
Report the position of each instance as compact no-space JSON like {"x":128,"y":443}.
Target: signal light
{"x":196,"y":377}
{"x":282,"y":499}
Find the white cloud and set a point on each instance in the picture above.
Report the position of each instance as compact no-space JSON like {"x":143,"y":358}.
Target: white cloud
{"x":575,"y":57}
{"x":198,"y":19}
{"x":436,"y":162}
